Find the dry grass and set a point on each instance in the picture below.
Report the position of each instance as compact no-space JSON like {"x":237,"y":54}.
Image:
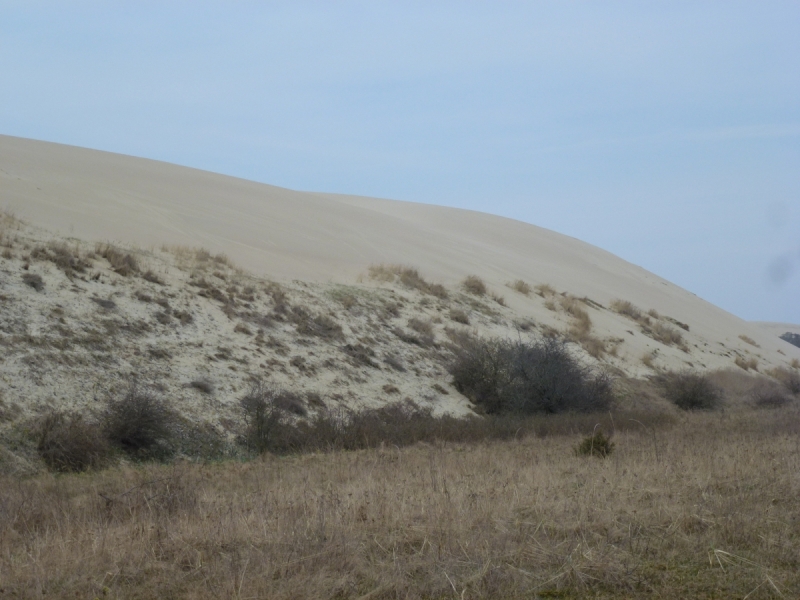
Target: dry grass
{"x":627,"y":309}
{"x":520,"y":286}
{"x":704,"y":509}
{"x":748,"y":340}
{"x":795,"y":364}
{"x":121,"y":261}
{"x":648,"y":359}
{"x":474,"y":285}
{"x":650,"y":324}
{"x":545,"y":290}
{"x":746,"y":363}
{"x":408,"y":276}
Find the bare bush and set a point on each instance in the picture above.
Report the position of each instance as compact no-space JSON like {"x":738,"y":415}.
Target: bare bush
{"x":790,"y":379}
{"x":527,"y":377}
{"x":269,"y":412}
{"x":689,"y":390}
{"x":70,"y":443}
{"x":140,"y":423}
{"x":770,"y":395}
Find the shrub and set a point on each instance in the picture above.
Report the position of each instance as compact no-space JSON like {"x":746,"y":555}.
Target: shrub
{"x":268,"y":418}
{"x":203,"y":385}
{"x":474,"y":285}
{"x":527,"y":377}
{"x":408,"y":277}
{"x":33,"y":280}
{"x":545,"y":290}
{"x":459,"y":316}
{"x":122,"y":263}
{"x":789,"y":378}
{"x":664,"y":334}
{"x":627,"y":309}
{"x":690,"y":391}
{"x":520,"y":286}
{"x":770,"y":396}
{"x":69,"y":443}
{"x":141,"y":424}
{"x":746,"y":363}
{"x":748,"y":340}
{"x":62,"y":256}
{"x":596,"y":444}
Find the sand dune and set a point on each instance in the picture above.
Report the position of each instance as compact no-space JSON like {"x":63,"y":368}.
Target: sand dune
{"x":287,"y":234}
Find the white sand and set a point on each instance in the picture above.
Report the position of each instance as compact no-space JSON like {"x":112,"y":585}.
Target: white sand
{"x":286,"y":234}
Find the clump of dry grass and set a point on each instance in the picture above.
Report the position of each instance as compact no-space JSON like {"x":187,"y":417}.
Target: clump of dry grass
{"x":650,"y":324}
{"x":67,"y":259}
{"x":690,"y":515}
{"x":71,"y":443}
{"x":665,"y":334}
{"x":459,"y":316}
{"x":121,"y":261}
{"x":409,"y":277}
{"x":545,"y":290}
{"x":746,"y":363}
{"x":748,"y":340}
{"x":520,"y":286}
{"x":33,"y":280}
{"x":627,"y":309}
{"x":474,"y":285}
{"x":648,"y":359}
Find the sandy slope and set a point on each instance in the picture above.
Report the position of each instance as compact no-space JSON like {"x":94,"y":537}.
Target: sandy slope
{"x":286,"y":234}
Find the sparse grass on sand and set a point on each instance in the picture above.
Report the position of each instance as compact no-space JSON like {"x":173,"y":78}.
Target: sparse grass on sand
{"x":705,"y":507}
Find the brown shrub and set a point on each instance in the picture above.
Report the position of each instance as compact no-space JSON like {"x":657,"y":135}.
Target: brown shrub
{"x":520,"y":286}
{"x":141,"y":424}
{"x":746,"y":363}
{"x":474,"y":285}
{"x":459,"y":316}
{"x":627,"y":309}
{"x":70,"y":443}
{"x":68,"y":260}
{"x":545,"y":290}
{"x":122,"y":262}
{"x":748,"y":340}
{"x":408,"y":277}
{"x":33,"y":280}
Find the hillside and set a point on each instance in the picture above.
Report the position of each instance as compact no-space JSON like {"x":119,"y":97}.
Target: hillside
{"x":347,"y":302}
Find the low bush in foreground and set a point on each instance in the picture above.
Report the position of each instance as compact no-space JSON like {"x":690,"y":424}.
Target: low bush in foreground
{"x":597,"y":444}
{"x":542,"y":376}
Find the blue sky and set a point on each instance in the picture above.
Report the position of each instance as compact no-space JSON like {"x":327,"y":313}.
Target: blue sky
{"x":665,"y":132}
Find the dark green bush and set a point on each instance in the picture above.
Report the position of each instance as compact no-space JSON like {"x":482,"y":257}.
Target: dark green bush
{"x":70,"y":443}
{"x":527,"y":377}
{"x":596,"y":444}
{"x":141,"y":424}
{"x":690,"y":391}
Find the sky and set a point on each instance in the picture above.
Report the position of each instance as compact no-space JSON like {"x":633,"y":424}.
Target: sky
{"x":665,"y":132}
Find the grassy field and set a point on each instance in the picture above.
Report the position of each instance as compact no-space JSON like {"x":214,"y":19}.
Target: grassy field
{"x":705,"y":507}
